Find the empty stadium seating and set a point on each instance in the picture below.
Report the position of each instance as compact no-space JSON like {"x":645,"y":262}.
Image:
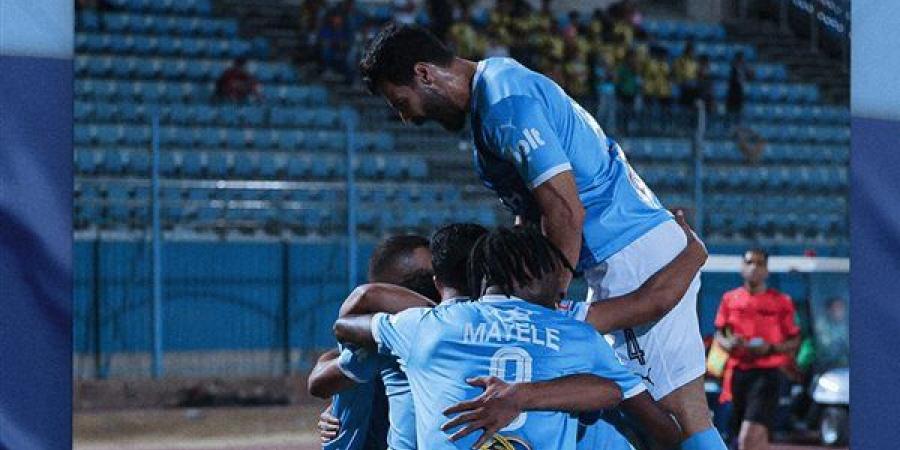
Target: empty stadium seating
{"x":279,"y":164}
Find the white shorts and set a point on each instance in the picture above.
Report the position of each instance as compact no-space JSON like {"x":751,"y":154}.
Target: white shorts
{"x":666,"y":354}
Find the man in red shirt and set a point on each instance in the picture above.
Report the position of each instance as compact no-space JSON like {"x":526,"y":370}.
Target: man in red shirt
{"x":756,"y":325}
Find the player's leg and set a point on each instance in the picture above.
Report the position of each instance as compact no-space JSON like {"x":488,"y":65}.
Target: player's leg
{"x":668,"y":354}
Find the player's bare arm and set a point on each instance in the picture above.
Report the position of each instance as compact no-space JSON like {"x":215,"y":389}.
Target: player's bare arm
{"x":656,"y":296}
{"x":662,"y":426}
{"x":355,"y":329}
{"x":502,"y":402}
{"x":326,"y":377}
{"x":562,"y":217}
{"x":381,"y":297}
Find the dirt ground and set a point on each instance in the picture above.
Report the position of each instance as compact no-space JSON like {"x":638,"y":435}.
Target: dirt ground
{"x":261,"y":428}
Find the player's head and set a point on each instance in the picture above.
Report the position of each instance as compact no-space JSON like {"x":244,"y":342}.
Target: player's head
{"x":410,"y":67}
{"x":755,"y":267}
{"x":404,"y":260}
{"x":519,"y":262}
{"x":451,"y":246}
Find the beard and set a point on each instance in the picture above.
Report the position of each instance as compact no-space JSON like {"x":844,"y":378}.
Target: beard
{"x":439,"y":108}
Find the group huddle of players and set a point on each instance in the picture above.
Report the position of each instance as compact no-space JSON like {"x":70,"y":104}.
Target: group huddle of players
{"x":495,"y":357}
{"x":489,"y":356}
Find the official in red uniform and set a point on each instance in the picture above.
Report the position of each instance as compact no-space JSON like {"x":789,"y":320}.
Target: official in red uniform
{"x":756,"y":325}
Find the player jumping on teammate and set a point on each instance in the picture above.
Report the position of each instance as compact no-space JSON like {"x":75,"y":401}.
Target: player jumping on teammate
{"x":552,"y":164}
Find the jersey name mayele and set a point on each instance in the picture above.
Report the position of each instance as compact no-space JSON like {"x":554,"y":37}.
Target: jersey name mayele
{"x":513,"y":326}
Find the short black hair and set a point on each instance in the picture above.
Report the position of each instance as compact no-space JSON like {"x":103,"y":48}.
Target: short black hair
{"x":383,"y":265}
{"x":507,"y":257}
{"x":392,"y":53}
{"x":759,"y":251}
{"x":451,"y":246}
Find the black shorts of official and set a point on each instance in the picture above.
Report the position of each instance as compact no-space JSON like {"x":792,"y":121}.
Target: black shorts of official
{"x":754,"y":397}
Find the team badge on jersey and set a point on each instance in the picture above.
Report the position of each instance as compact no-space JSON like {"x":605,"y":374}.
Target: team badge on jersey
{"x":498,"y":442}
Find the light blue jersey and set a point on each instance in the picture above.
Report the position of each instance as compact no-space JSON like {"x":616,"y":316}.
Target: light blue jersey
{"x":527,"y":130}
{"x":401,"y":410}
{"x":596,"y":433}
{"x":441,"y":347}
{"x":360,"y":428}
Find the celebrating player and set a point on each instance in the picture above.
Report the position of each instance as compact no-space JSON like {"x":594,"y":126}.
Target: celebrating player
{"x":363,"y":408}
{"x":552,"y":164}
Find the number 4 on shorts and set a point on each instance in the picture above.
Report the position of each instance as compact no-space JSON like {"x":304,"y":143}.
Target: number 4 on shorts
{"x":634,"y":348}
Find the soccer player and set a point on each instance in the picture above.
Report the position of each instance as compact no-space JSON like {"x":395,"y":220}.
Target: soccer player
{"x":551,"y":164}
{"x":501,"y":335}
{"x":450,"y":249}
{"x":672,"y":282}
{"x":363,"y":408}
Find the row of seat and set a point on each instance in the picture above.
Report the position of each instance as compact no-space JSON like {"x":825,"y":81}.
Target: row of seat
{"x":772,"y":92}
{"x":200,"y":7}
{"x":716,"y":51}
{"x":175,"y":69}
{"x":324,"y":195}
{"x":208,"y":114}
{"x":802,"y":133}
{"x":169,"y":92}
{"x":769,"y":223}
{"x":233,"y":138}
{"x":797,"y":113}
{"x":761,"y":71}
{"x":124,"y":22}
{"x":165,"y":45}
{"x":745,"y":203}
{"x":321,"y":220}
{"x":680,"y":30}
{"x":727,"y":151}
{"x":248,"y":165}
{"x":815,"y":178}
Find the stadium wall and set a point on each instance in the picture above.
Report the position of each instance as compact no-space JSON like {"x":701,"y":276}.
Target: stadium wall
{"x":226,"y":303}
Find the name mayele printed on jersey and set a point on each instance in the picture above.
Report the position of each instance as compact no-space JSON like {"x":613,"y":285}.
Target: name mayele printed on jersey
{"x":513,"y":326}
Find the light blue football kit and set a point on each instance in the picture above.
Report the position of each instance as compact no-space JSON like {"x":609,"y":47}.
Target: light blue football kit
{"x":509,"y":338}
{"x":360,"y":410}
{"x":527,"y":130}
{"x":362,"y":367}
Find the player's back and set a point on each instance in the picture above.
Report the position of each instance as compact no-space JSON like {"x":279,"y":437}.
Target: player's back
{"x":507,"y":338}
{"x":522,"y":118}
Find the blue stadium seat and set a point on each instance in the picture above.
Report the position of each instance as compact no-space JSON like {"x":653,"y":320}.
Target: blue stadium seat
{"x":217,"y":164}
{"x":191,"y":164}
{"x":245,"y":166}
{"x":138,"y":163}
{"x":85,"y":161}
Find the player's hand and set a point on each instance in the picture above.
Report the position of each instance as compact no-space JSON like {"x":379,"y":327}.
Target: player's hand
{"x":494,"y":409}
{"x":328,"y":426}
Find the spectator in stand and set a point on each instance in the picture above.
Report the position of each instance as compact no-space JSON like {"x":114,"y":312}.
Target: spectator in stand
{"x":236,"y":84}
{"x":312,"y":15}
{"x":737,"y":83}
{"x":705,"y":84}
{"x":686,"y":71}
{"x":335,"y":40}
{"x":833,"y":350}
{"x":757,"y":326}
{"x":465,"y":40}
{"x":627,"y":87}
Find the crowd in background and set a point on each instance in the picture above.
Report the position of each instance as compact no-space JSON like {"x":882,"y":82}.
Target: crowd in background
{"x":607,"y":51}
